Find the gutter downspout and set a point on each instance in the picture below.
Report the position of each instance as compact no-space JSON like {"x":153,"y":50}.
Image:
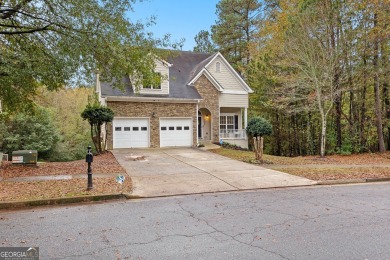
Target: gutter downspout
{"x":245,"y":121}
{"x":197,"y":123}
{"x":98,"y":88}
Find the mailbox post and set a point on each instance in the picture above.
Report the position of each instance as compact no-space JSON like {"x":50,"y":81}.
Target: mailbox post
{"x":89,"y":160}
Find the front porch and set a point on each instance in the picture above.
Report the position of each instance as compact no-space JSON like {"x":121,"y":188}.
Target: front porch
{"x":230,"y":128}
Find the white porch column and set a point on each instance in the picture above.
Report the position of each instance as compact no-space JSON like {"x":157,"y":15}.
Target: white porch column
{"x":245,"y":117}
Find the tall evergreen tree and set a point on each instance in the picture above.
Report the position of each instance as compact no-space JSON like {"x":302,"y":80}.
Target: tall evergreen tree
{"x":204,"y":43}
{"x":236,"y":27}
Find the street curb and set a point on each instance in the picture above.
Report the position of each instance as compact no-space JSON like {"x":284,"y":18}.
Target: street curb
{"x":352,"y":181}
{"x":61,"y":201}
{"x":128,"y":196}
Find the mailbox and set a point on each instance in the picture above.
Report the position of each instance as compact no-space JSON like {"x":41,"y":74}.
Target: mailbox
{"x":89,"y":158}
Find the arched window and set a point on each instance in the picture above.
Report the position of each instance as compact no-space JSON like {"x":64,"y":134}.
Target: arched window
{"x":218,"y":67}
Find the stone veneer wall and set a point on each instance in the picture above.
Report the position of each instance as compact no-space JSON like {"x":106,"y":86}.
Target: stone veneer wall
{"x":145,"y":110}
{"x":210,"y":101}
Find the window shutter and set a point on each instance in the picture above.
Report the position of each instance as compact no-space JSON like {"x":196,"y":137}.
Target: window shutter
{"x":236,"y":122}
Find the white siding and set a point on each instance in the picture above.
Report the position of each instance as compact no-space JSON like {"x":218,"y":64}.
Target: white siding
{"x":233,"y":100}
{"x":225,"y":77}
{"x":164,"y":70}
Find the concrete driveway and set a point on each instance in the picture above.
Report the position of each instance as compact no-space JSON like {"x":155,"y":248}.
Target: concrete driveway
{"x":176,"y":171}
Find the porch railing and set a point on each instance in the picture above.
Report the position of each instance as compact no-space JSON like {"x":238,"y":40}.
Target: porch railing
{"x":232,"y":134}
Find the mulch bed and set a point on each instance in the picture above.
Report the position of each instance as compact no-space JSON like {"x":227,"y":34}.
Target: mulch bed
{"x":103,"y":163}
{"x":12,"y":191}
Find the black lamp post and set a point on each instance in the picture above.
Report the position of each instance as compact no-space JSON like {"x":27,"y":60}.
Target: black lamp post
{"x":89,"y":160}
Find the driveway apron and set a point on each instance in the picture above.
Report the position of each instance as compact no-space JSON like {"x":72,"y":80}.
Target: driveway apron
{"x":178,"y":171}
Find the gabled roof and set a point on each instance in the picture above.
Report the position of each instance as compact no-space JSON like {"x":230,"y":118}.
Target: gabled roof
{"x":205,"y":64}
{"x":184,"y":68}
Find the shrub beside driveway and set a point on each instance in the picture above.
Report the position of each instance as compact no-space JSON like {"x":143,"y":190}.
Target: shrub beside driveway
{"x":332,"y":167}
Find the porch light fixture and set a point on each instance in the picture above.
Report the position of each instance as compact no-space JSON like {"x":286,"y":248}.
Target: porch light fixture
{"x":207,"y":117}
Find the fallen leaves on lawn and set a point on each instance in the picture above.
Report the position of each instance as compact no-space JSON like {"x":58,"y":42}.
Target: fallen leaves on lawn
{"x":366,"y":158}
{"x":60,"y":188}
{"x":103,"y":163}
{"x":332,"y":167}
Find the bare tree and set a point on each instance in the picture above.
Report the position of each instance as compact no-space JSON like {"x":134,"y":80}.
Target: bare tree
{"x":312,"y":59}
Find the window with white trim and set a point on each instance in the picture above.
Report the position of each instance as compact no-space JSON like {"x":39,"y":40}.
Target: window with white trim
{"x":226,"y":122}
{"x":218,"y":67}
{"x":154,"y":83}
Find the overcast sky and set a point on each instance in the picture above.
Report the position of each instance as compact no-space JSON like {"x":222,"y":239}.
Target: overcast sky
{"x":180,"y":18}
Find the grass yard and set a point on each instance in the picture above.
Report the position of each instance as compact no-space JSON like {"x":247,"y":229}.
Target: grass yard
{"x":332,"y":167}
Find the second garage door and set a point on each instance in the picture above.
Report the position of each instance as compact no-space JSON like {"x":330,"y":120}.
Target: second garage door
{"x":175,"y":132}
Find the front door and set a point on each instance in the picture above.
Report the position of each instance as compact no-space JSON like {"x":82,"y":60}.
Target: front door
{"x":199,"y":126}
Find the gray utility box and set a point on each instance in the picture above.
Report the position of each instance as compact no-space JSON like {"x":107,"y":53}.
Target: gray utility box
{"x":25,"y":157}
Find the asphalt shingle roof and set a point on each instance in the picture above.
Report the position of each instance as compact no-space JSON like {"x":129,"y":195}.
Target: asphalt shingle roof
{"x":185,"y":65}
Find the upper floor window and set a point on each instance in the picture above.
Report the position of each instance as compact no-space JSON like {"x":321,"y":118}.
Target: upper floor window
{"x":154,"y":82}
{"x":218,"y":67}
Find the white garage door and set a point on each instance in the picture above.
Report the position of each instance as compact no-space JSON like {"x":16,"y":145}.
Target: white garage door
{"x":175,"y":132}
{"x":130,"y":132}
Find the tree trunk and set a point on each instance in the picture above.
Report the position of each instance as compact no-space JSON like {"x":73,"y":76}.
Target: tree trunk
{"x":387,"y":110}
{"x":338,"y":106}
{"x":386,"y":98}
{"x":92,"y":137}
{"x":378,"y":109}
{"x":105,"y":136}
{"x":309,"y":141}
{"x":258,"y":147}
{"x":323,"y":136}
{"x":261,"y":148}
{"x":290,"y":147}
{"x":338,"y":96}
{"x":362,"y":137}
{"x":99,"y":137}
{"x":278,"y":138}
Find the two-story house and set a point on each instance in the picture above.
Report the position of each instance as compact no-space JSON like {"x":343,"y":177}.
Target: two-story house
{"x":201,"y":98}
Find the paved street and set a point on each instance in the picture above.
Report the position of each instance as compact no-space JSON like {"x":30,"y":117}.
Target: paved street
{"x":328,"y":222}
